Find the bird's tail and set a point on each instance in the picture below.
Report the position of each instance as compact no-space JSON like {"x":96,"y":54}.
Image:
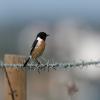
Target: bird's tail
{"x":26,"y":62}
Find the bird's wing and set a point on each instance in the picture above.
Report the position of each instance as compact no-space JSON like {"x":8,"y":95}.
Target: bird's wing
{"x":33,"y":46}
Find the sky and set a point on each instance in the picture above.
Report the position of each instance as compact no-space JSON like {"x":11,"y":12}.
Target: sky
{"x":26,"y":10}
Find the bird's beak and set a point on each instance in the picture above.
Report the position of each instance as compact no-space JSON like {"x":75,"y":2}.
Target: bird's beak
{"x":48,"y":34}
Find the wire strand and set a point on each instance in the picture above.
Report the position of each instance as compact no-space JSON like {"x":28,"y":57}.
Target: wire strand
{"x":55,"y":66}
{"x":9,"y":83}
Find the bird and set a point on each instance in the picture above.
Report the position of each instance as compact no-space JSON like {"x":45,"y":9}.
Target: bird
{"x":38,"y":47}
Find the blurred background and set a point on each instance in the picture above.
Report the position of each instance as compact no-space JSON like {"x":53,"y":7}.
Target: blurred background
{"x":74,"y":36}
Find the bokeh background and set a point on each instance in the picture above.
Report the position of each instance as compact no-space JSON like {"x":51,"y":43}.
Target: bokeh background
{"x":74,"y":31}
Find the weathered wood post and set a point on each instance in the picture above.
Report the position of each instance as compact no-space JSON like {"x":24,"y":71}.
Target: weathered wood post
{"x":15,"y":79}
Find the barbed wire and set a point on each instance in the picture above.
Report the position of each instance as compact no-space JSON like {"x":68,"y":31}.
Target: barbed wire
{"x":49,"y":66}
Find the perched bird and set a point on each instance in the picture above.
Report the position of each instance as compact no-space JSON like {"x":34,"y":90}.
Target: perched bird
{"x":38,"y":47}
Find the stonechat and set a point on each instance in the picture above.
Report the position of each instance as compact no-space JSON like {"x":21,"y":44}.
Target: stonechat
{"x":38,"y":47}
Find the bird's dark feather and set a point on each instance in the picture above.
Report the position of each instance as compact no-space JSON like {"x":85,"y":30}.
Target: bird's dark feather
{"x":26,"y":62}
{"x":33,"y":46}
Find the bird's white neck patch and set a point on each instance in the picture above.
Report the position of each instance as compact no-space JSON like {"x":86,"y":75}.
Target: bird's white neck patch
{"x":39,"y":39}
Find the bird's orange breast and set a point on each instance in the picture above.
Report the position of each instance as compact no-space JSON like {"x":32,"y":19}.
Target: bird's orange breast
{"x":38,"y":50}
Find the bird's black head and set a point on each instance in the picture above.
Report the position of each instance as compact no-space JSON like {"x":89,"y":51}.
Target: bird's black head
{"x":42,"y":35}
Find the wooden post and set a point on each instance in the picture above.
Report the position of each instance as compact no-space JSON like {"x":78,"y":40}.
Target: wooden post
{"x":15,"y":79}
